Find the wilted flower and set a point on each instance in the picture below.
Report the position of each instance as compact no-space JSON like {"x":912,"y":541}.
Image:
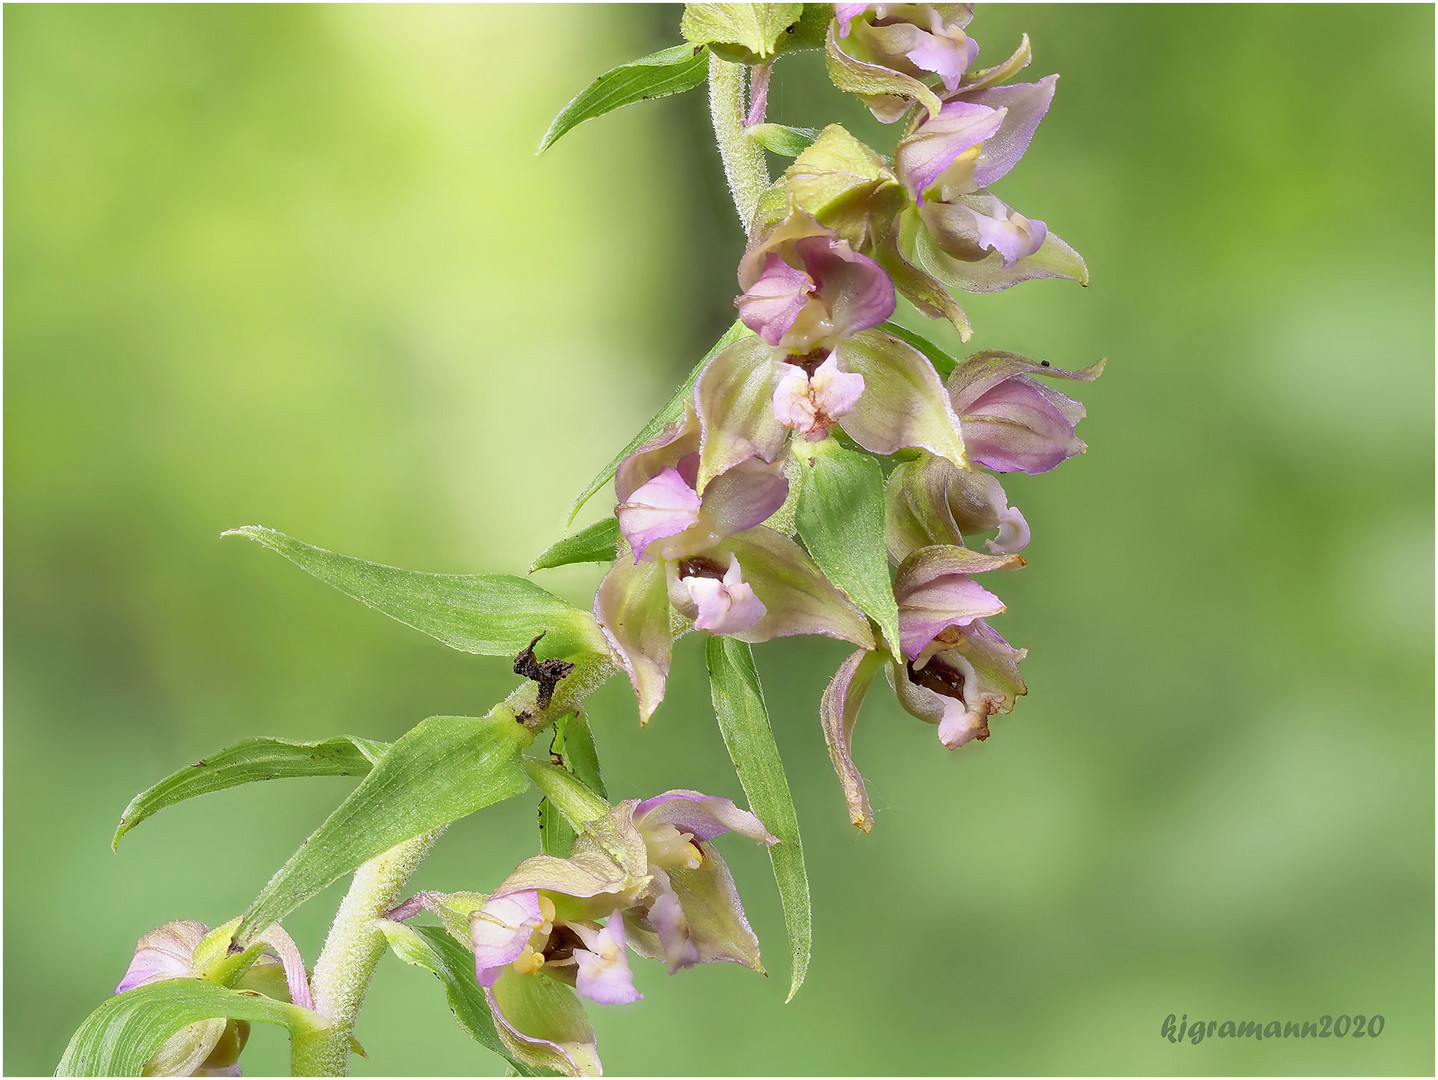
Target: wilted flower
{"x":807,"y":289}
{"x":954,"y":671}
{"x":1011,"y":422}
{"x":187,"y":950}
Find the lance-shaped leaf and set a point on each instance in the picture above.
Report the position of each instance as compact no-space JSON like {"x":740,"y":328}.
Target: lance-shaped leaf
{"x":841,"y":520}
{"x":128,"y":1029}
{"x":669,"y":71}
{"x":429,"y":947}
{"x":248,"y":761}
{"x":838,"y":712}
{"x":744,"y":723}
{"x":594,"y":543}
{"x":488,"y":614}
{"x":899,"y":407}
{"x":444,"y":768}
{"x":672,"y":412}
{"x":743,"y":33}
{"x":782,"y":139}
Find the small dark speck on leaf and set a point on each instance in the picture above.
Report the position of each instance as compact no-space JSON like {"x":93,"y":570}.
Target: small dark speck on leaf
{"x":198,"y":765}
{"x":1044,"y":363}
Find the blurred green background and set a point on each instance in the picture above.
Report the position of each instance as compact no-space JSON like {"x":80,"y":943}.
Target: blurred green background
{"x":299,"y":266}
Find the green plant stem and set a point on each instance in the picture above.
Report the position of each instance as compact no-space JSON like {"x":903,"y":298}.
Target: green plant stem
{"x":744,"y":166}
{"x":351,"y":951}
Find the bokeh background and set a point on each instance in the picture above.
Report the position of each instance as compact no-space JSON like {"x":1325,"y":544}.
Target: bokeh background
{"x":299,"y":266}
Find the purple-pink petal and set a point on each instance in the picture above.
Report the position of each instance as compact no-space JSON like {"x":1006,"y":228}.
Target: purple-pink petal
{"x":1019,"y":426}
{"x":770,"y":305}
{"x":603,"y":973}
{"x":1025,"y":105}
{"x":665,"y":506}
{"x":944,"y":56}
{"x":742,"y":497}
{"x":726,"y":606}
{"x":855,"y":290}
{"x":922,"y":158}
{"x":950,"y":600}
{"x":500,"y":930}
{"x":166,"y":952}
{"x":702,"y":816}
{"x":667,"y":915}
{"x":846,"y":14}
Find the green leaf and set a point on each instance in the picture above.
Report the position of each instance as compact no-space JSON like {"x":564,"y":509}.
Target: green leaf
{"x":743,"y":33}
{"x":783,"y":140}
{"x":744,"y":723}
{"x":573,"y":743}
{"x":595,"y":543}
{"x":669,"y":71}
{"x":444,"y":768}
{"x":488,"y":614}
{"x":248,"y":761}
{"x":129,"y":1029}
{"x":671,"y":412}
{"x":429,"y":947}
{"x":841,"y":521}
{"x":943,"y":363}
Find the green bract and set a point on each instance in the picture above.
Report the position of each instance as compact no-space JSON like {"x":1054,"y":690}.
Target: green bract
{"x":743,"y":33}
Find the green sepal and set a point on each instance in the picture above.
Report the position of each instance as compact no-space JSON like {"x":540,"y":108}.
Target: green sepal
{"x":841,"y":521}
{"x":443,"y":769}
{"x":547,"y":1012}
{"x":744,"y":723}
{"x":742,"y":33}
{"x":594,"y":543}
{"x":119,"y":1037}
{"x":567,"y":792}
{"x":887,"y":93}
{"x":781,"y":139}
{"x":669,"y":71}
{"x":488,"y":614}
{"x":845,"y":185}
{"x":431,"y":948}
{"x":673,"y":411}
{"x":248,"y":761}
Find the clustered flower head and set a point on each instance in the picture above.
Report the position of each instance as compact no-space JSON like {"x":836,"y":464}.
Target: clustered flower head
{"x":646,"y":878}
{"x":706,"y":508}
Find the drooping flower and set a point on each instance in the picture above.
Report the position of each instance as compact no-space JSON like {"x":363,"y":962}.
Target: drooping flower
{"x":807,"y":289}
{"x":954,"y":671}
{"x":887,"y":54}
{"x":1011,"y":422}
{"x":696,"y":546}
{"x":188,"y":950}
{"x":929,"y":501}
{"x":690,"y":912}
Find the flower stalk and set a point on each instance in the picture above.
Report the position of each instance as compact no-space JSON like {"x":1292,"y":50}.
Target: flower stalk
{"x":351,"y":951}
{"x":744,"y":166}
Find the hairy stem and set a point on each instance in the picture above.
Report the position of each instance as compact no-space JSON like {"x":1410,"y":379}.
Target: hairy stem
{"x":744,"y":164}
{"x":351,"y":951}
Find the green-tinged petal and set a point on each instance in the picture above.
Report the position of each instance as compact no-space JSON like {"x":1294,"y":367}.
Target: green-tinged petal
{"x":838,"y":711}
{"x":797,"y":597}
{"x":917,"y":284}
{"x":903,"y":404}
{"x":927,"y":564}
{"x":1053,"y":259}
{"x":846,"y":186}
{"x":735,"y":401}
{"x":887,"y":92}
{"x":717,"y":924}
{"x":992,"y":76}
{"x":543,"y":1023}
{"x":632,"y":607}
{"x":917,"y":505}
